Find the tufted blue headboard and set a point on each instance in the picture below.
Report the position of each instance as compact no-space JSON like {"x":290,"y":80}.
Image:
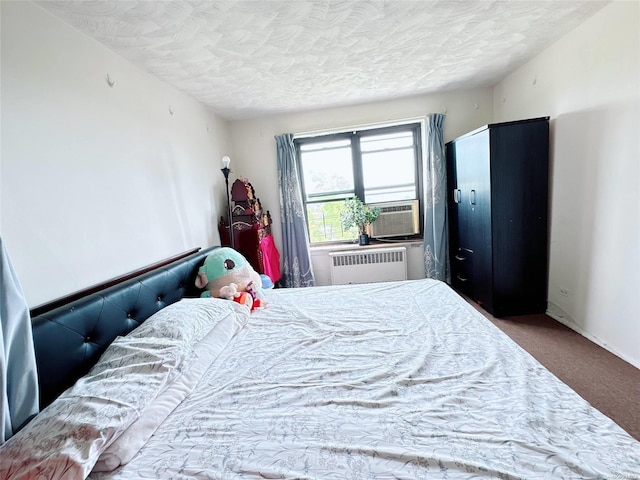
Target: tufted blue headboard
{"x":69,"y":339}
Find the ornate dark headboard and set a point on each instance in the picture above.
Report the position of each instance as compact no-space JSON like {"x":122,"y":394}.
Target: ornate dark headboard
{"x":69,"y":339}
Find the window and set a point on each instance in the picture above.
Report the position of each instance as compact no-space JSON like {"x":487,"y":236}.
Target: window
{"x":377,"y":165}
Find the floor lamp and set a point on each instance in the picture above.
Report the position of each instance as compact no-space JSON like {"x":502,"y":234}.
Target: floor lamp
{"x":225,"y":171}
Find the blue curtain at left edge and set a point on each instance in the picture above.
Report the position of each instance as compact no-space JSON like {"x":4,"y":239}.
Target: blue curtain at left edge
{"x":19,"y":378}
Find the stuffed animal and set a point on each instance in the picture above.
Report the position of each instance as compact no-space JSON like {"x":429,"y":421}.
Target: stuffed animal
{"x":230,"y":292}
{"x":227,"y":274}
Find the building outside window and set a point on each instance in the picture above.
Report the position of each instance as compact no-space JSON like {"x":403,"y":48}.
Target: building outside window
{"x":376,"y":165}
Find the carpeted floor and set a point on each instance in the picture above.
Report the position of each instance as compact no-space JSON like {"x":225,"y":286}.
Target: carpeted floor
{"x":607,"y":382}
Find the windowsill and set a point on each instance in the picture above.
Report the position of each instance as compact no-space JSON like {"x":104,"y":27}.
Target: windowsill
{"x":323,"y":248}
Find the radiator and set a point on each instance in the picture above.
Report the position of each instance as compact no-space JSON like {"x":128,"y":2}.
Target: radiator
{"x":368,"y":265}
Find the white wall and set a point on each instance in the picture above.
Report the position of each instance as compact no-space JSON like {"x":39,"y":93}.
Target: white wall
{"x":254,"y":146}
{"x":97,"y":181}
{"x":589,"y":83}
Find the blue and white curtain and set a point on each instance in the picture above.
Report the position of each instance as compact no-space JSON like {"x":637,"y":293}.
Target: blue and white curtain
{"x":18,"y":375}
{"x":297,"y":270}
{"x":436,"y":244}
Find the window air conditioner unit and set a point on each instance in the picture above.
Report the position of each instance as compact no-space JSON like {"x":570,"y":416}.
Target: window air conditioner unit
{"x":396,"y":219}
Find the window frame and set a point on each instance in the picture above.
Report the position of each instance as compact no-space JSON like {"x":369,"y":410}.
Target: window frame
{"x":355,"y":135}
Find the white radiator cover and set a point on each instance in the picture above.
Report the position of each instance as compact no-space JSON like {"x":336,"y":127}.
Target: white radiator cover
{"x":368,"y":265}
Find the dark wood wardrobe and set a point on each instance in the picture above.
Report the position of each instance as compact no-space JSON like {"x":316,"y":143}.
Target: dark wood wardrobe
{"x":497,"y":198}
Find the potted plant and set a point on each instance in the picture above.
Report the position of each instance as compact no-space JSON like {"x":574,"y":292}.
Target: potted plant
{"x":354,"y":213}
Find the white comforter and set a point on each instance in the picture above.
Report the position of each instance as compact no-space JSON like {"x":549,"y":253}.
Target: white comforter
{"x":382,"y":381}
{"x":398,"y":380}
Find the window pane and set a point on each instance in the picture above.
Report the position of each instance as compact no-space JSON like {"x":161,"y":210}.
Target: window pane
{"x":389,"y":175}
{"x":327,"y":170}
{"x":308,"y":147}
{"x":324,"y":223}
{"x":391,"y":194}
{"x":387,"y":141}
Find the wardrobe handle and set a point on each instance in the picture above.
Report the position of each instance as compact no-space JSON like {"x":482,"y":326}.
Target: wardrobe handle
{"x":462,"y":279}
{"x":460,"y":258}
{"x":472,"y":197}
{"x":456,"y":195}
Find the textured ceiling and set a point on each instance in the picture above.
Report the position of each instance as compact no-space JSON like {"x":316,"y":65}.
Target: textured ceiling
{"x":248,"y":58}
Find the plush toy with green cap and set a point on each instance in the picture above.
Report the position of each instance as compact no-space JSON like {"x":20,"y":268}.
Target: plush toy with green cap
{"x":226,"y":273}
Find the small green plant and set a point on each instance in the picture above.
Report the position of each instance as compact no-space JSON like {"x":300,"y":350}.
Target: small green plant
{"x":354,"y":213}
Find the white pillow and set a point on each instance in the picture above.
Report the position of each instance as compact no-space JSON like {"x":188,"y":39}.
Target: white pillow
{"x":127,"y":445}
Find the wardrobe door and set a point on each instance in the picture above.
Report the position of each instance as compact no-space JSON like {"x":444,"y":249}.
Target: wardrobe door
{"x":474,"y":217}
{"x":452,"y":196}
{"x":459,"y":259}
{"x":520,"y":191}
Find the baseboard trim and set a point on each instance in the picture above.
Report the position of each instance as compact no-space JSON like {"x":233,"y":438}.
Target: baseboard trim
{"x":558,"y":314}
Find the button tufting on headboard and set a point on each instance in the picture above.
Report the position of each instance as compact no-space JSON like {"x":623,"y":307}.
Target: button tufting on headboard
{"x":69,"y":339}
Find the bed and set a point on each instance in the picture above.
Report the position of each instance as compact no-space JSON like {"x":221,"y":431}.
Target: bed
{"x":397,"y":380}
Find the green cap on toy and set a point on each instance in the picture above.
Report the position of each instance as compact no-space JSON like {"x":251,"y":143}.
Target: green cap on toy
{"x":218,"y":263}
